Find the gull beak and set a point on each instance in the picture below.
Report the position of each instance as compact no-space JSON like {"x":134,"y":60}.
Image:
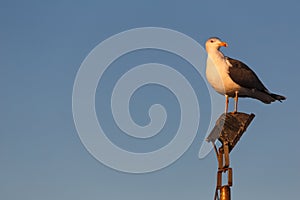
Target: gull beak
{"x":223,"y":44}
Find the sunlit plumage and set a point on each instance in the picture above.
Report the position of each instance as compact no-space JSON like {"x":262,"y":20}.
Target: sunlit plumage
{"x":233,"y":78}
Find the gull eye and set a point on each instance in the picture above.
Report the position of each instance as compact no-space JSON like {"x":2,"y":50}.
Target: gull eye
{"x":211,"y":41}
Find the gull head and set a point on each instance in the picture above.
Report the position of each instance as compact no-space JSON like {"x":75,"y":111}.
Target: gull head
{"x":214,"y":43}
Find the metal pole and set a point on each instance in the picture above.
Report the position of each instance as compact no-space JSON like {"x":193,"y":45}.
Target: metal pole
{"x":225,"y":192}
{"x":228,"y":130}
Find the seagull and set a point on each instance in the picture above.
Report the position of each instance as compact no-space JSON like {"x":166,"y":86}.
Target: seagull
{"x":234,"y":78}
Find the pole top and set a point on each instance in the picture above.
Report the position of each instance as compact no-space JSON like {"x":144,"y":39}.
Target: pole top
{"x":230,"y":127}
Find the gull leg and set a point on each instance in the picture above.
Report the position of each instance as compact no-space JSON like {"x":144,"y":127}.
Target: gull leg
{"x":236,"y":100}
{"x":226,"y":103}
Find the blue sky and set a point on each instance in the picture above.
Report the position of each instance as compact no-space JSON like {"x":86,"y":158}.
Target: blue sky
{"x":42,"y":45}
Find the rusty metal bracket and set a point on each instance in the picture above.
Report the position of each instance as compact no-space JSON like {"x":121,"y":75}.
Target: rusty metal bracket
{"x":228,"y":130}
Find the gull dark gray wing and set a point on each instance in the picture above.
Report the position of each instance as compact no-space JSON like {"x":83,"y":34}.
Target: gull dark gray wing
{"x":241,"y":74}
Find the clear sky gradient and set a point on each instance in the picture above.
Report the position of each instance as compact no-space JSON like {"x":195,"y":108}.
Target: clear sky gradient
{"x":42,"y":45}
